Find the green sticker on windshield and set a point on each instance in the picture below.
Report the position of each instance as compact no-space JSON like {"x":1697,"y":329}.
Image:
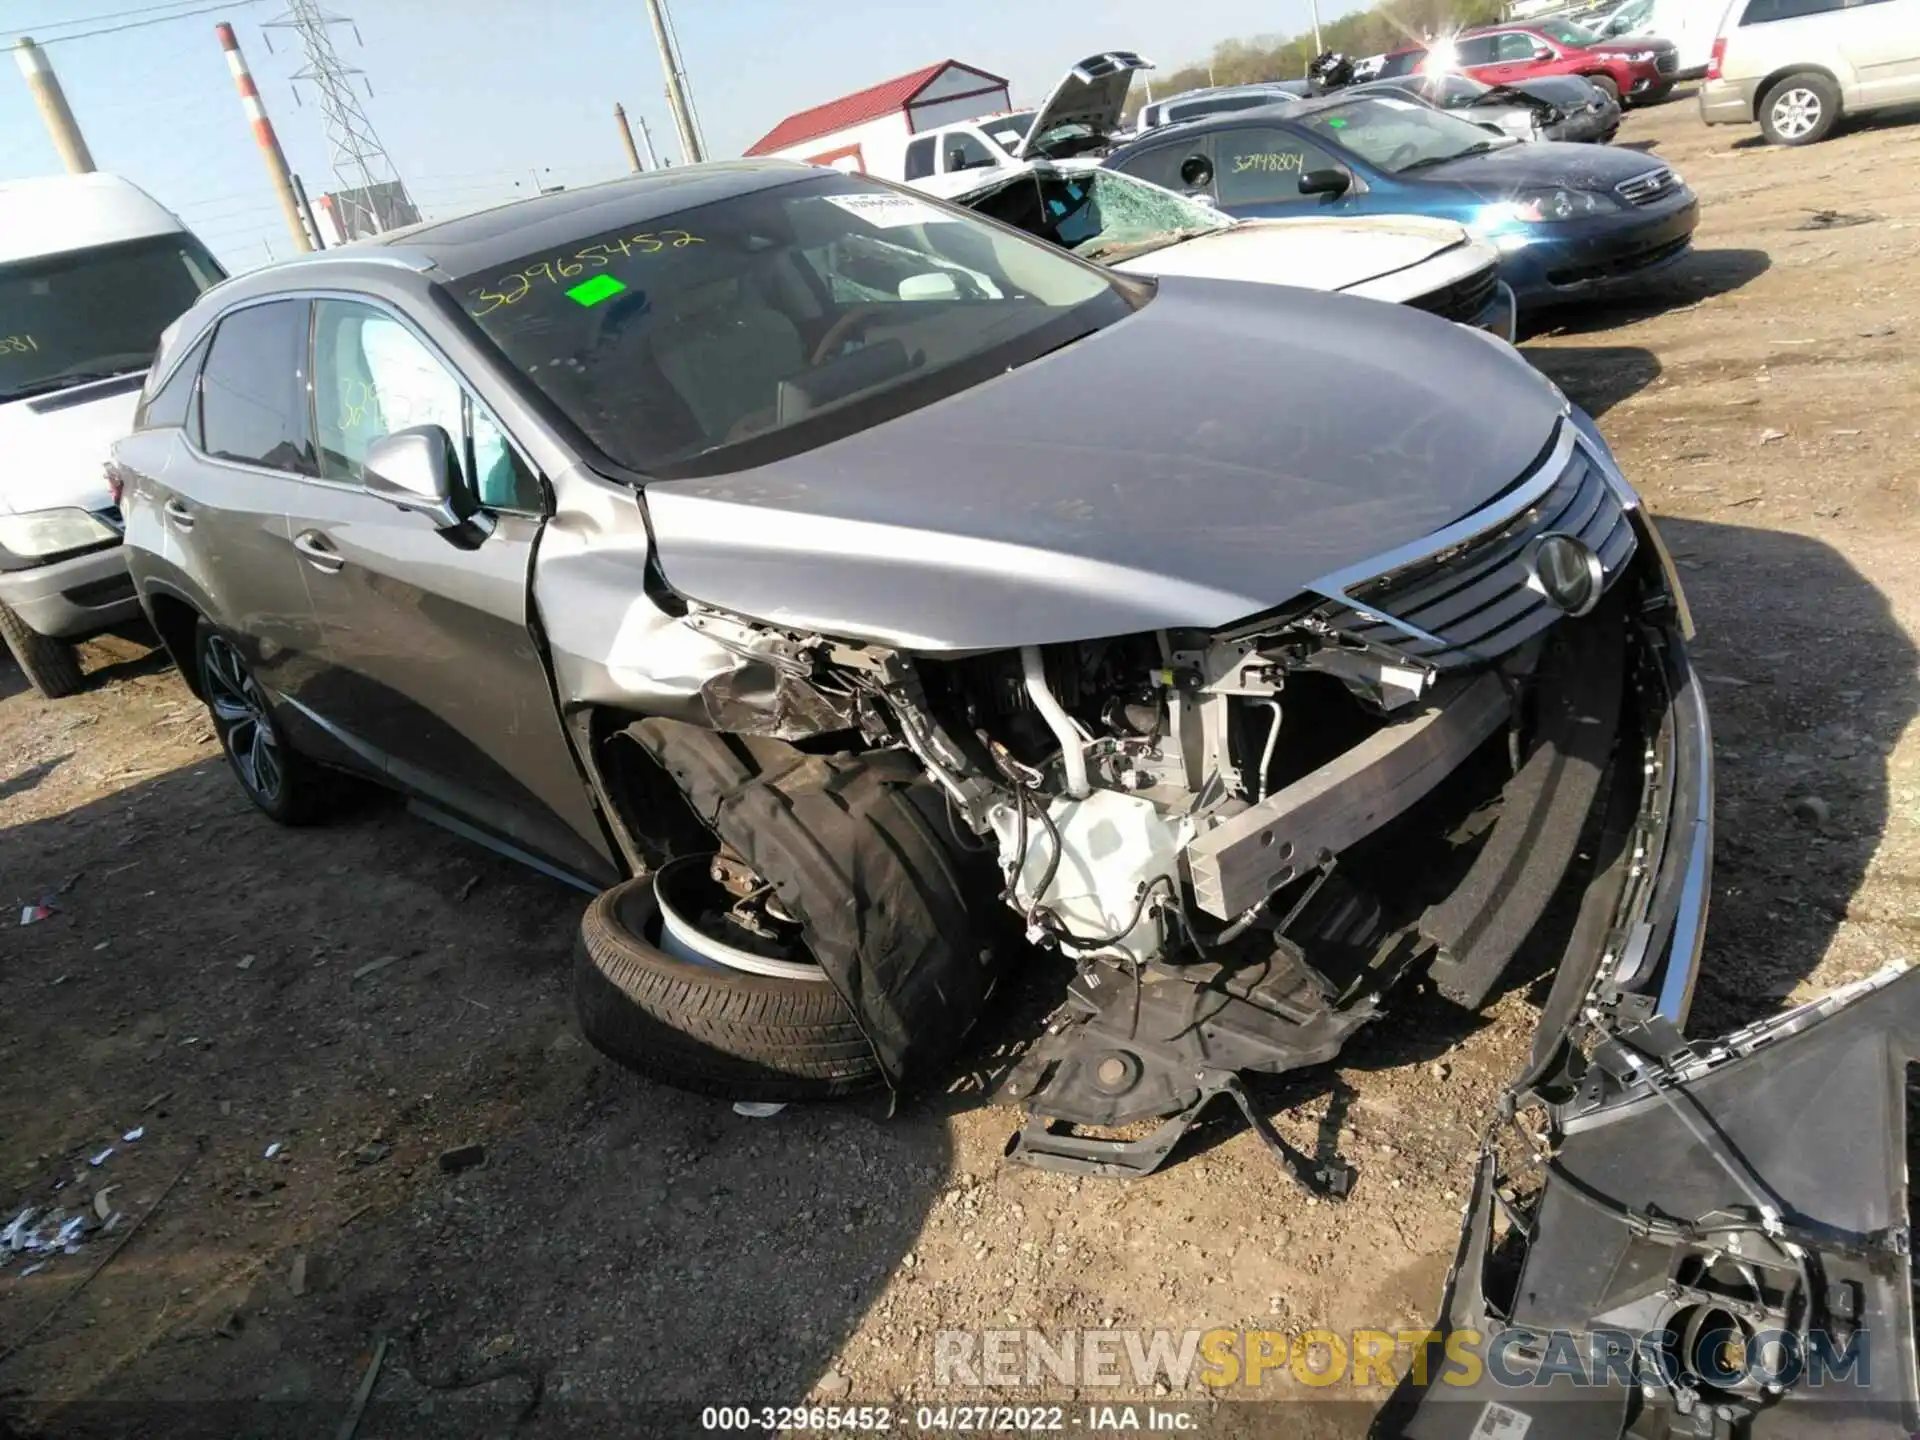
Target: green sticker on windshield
{"x":1336,"y":123}
{"x":592,"y":292}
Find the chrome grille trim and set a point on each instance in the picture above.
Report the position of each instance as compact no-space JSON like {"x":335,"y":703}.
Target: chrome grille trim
{"x":1643,"y":189}
{"x":1465,"y":595}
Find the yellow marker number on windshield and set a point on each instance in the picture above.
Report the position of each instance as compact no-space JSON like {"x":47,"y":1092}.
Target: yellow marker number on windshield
{"x":512,"y":288}
{"x":1269,"y":161}
{"x":18,"y":345}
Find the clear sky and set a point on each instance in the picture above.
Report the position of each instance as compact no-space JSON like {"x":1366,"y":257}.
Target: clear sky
{"x":471,"y":97}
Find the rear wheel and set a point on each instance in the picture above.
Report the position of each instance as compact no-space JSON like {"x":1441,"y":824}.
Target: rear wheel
{"x":51,"y":666}
{"x":284,"y":784}
{"x":1800,"y":110}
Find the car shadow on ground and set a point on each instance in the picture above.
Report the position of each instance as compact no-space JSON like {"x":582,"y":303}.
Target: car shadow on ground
{"x":1598,"y":377}
{"x":1699,"y":275}
{"x":374,"y":996}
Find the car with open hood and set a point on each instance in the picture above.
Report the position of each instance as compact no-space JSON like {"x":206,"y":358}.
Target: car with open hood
{"x":1554,"y":107}
{"x":1142,"y":229}
{"x":1570,"y":221}
{"x":1080,"y":117}
{"x":852,"y":632}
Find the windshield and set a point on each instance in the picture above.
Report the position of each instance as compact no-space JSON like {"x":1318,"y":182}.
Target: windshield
{"x":733,"y":333}
{"x":1102,"y":215}
{"x":1566,"y":32}
{"x":1008,"y":130}
{"x":1397,"y":135}
{"x":93,"y":313}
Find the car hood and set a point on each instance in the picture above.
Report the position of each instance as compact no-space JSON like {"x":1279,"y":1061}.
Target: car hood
{"x":1569,"y":92}
{"x":1545,"y":162}
{"x":1206,"y":458}
{"x":55,"y":446}
{"x":1093,"y":93}
{"x":1317,"y":254}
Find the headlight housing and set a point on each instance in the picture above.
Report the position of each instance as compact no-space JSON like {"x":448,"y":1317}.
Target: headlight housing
{"x":53,"y":532}
{"x":1535,"y":207}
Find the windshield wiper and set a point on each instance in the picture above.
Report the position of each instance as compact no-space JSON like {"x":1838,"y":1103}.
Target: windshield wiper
{"x":66,"y":379}
{"x":1479,"y":147}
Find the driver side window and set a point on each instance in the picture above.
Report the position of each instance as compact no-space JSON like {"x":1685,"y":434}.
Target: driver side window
{"x":960,"y":150}
{"x":373,"y":376}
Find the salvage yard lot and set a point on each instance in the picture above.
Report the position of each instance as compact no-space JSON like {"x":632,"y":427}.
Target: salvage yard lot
{"x":371,"y":995}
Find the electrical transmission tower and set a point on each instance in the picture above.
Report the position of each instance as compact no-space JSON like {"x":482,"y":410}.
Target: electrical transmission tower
{"x":370,"y":192}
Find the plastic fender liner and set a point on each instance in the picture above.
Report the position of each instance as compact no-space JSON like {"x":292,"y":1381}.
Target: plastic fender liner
{"x":1481,"y":925}
{"x":856,"y":852}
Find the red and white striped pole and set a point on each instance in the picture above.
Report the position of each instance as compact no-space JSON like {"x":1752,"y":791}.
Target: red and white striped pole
{"x":263,"y":134}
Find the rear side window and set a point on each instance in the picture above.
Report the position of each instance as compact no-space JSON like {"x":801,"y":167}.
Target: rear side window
{"x":920,"y":158}
{"x":1759,"y":12}
{"x":253,"y":393}
{"x":1162,"y":165}
{"x":1477,"y":50}
{"x":170,"y":405}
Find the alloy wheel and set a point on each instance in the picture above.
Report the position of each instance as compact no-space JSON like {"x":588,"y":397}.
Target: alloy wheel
{"x":1796,"y":113}
{"x":240,"y":715}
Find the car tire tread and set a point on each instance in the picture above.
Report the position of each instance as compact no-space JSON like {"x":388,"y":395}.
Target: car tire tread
{"x":51,"y":666}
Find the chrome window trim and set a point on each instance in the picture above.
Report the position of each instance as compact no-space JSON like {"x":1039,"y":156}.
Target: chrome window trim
{"x":393,"y":312}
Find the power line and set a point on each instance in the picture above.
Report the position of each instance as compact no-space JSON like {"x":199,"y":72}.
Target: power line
{"x":95,"y":19}
{"x":138,"y":24}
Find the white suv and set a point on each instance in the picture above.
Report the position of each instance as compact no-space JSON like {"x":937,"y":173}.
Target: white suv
{"x":1797,"y":65}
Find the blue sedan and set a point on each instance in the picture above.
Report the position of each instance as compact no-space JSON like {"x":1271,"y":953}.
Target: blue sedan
{"x":1569,"y":220}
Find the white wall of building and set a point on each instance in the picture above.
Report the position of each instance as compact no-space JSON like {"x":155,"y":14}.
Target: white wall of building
{"x":881,"y":145}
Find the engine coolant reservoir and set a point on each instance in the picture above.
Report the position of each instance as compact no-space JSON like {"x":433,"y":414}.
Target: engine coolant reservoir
{"x":1111,"y":845}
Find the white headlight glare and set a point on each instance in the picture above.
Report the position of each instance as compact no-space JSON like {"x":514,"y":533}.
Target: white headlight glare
{"x":50,"y":532}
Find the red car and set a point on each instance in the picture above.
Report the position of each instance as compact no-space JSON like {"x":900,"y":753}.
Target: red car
{"x":1637,"y":71}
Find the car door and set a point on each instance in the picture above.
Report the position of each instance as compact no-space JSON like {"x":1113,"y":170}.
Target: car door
{"x":1478,"y":56}
{"x":247,"y":450}
{"x":1257,"y":170}
{"x":1880,"y":39}
{"x":433,"y":667}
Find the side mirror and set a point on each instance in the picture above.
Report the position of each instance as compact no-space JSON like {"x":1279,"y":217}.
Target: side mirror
{"x":931,"y":285}
{"x":1335,"y":180}
{"x":1196,"y":172}
{"x":416,"y":469}
{"x":1543,"y":52}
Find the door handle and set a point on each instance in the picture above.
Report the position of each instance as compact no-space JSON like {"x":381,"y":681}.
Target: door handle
{"x":319,"y":551}
{"x":181,"y":516}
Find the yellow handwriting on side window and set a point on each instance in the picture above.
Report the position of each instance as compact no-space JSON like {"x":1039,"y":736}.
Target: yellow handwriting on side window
{"x":1271,"y":160}
{"x":515,"y":286}
{"x":18,"y":345}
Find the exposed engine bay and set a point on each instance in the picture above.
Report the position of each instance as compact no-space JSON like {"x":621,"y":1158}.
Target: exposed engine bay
{"x":1244,"y":839}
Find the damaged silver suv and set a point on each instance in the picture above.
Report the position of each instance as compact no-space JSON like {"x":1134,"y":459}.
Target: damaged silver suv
{"x":854,"y":594}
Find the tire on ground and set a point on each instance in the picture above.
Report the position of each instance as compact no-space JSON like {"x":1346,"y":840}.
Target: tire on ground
{"x":1606,"y":85}
{"x":1821,"y":88}
{"x":51,"y":666}
{"x":706,"y":1029}
{"x":889,"y":906}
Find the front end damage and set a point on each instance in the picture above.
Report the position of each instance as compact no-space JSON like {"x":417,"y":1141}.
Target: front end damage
{"x":1485,"y":747}
{"x":1706,"y":1240}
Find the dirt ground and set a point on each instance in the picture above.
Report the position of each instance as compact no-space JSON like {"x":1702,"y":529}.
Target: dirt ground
{"x":369,"y":996}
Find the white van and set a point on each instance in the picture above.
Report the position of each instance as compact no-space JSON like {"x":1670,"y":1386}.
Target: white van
{"x":92,"y":269}
{"x":1797,"y":66}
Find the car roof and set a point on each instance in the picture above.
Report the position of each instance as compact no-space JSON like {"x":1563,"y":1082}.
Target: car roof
{"x":468,"y":243}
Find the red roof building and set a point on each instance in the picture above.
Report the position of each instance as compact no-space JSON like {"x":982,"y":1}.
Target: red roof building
{"x":864,"y":130}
